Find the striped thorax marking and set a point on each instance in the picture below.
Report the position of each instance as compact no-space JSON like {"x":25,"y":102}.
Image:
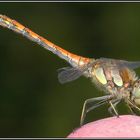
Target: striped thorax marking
{"x":100,"y":76}
{"x":117,"y":79}
{"x":104,"y":75}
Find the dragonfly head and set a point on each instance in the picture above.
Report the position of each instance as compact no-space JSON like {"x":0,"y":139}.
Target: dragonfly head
{"x":136,"y":93}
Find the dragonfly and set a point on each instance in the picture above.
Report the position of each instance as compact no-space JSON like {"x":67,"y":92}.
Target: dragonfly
{"x":116,"y":78}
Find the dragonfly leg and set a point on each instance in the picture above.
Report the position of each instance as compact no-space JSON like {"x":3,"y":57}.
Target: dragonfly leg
{"x":86,"y":109}
{"x":112,"y":109}
{"x":131,"y":110}
{"x":133,"y":105}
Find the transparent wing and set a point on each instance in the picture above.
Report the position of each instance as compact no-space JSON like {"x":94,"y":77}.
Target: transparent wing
{"x":68,"y":74}
{"x":120,"y":63}
{"x":132,"y":65}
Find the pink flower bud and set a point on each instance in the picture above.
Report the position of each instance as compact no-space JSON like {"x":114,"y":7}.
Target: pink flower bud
{"x":125,"y":126}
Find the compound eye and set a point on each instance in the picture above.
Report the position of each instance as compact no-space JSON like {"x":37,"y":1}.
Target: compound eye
{"x":137,"y":101}
{"x":136,"y":90}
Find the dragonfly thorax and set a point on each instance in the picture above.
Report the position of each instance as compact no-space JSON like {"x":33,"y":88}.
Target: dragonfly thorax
{"x":113,"y":80}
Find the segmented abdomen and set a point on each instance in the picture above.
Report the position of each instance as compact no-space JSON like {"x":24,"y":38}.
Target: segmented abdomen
{"x":73,"y":59}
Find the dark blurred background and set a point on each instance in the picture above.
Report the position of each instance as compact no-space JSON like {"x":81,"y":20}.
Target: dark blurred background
{"x":32,"y":101}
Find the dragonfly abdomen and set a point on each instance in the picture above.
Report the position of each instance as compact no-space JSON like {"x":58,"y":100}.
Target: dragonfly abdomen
{"x":74,"y":60}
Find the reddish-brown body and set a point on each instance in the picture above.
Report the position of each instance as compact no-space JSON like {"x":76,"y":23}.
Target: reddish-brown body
{"x":19,"y":28}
